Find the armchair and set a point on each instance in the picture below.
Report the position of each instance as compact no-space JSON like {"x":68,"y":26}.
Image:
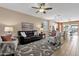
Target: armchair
{"x":8,"y":47}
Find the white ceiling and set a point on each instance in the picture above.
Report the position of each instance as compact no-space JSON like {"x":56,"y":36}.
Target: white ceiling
{"x":63,"y":11}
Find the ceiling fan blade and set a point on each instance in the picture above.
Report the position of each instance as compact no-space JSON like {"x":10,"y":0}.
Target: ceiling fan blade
{"x":37,"y":11}
{"x":42,"y":4}
{"x":44,"y":12}
{"x":35,"y":7}
{"x":48,"y":8}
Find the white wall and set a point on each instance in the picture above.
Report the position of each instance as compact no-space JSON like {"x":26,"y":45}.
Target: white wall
{"x":12,"y":18}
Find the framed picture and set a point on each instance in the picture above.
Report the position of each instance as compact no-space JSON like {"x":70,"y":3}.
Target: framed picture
{"x":27,"y":26}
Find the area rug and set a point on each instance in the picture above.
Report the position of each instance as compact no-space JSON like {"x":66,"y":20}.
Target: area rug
{"x":37,"y":48}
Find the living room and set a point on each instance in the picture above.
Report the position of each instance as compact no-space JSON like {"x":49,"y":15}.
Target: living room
{"x":37,"y":29}
{"x":13,"y":21}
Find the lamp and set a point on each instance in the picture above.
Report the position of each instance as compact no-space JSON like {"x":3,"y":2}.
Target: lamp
{"x":41,"y":29}
{"x":8,"y":29}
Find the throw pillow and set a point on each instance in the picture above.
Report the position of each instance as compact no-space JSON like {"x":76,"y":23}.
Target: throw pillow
{"x":6,"y":38}
{"x":35,"y":33}
{"x":23,"y":34}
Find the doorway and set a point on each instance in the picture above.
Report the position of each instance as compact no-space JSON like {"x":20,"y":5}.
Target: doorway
{"x":72,"y":30}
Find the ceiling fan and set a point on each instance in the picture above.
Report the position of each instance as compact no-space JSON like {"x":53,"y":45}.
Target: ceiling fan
{"x":42,"y":8}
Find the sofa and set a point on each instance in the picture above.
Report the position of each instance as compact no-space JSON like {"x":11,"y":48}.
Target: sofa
{"x":27,"y":37}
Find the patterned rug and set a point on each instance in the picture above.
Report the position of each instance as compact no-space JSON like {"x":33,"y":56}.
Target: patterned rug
{"x":37,"y":48}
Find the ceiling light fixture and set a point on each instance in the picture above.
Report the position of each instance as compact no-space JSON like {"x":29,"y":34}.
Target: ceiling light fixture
{"x":42,"y":8}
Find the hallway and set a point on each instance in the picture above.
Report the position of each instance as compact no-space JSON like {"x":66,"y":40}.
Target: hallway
{"x":70,"y":47}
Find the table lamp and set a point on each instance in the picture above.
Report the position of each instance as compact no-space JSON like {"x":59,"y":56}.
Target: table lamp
{"x":8,"y":30}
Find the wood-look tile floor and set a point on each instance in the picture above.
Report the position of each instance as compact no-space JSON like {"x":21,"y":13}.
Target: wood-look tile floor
{"x":70,"y":47}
